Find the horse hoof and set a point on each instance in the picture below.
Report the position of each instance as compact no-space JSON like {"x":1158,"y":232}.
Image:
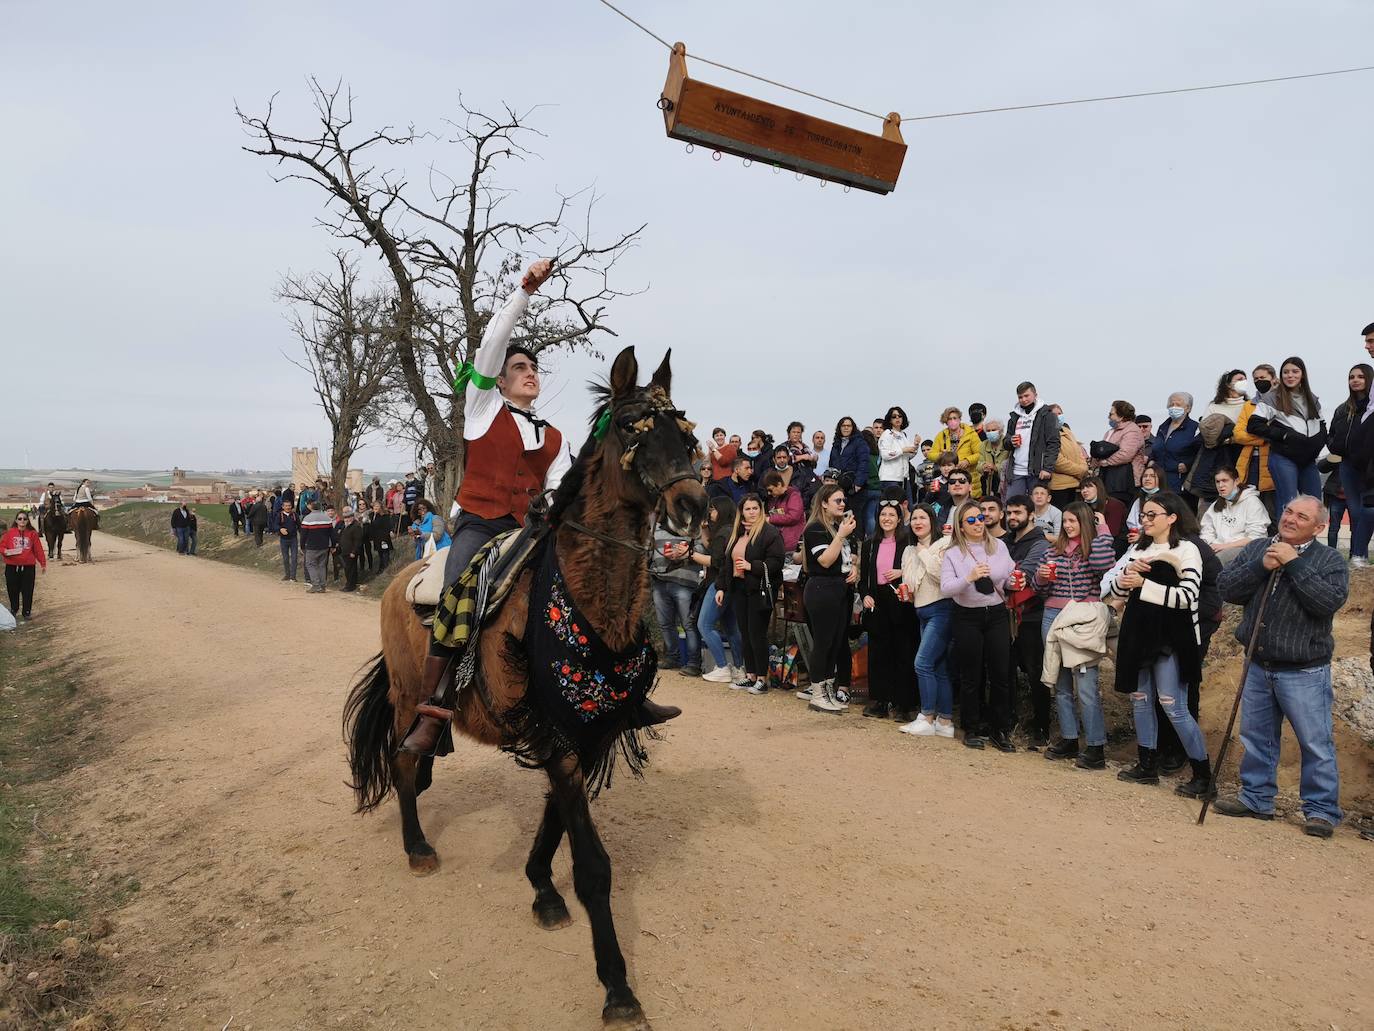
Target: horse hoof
{"x":422,"y":864}
{"x":552,"y":916}
{"x":625,"y":1015}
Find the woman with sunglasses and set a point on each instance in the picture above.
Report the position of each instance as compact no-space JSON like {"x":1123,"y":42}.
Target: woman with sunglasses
{"x":22,"y":549}
{"x":921,"y":564}
{"x":1072,"y":572}
{"x":974,"y":574}
{"x":1158,"y":654}
{"x":830,"y":570}
{"x":895,"y":450}
{"x":891,"y":621}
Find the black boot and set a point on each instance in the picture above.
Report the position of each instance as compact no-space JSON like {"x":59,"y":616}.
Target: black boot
{"x":1201,"y":782}
{"x":651,"y":714}
{"x":877,"y":710}
{"x":1171,"y":762}
{"x":1064,"y":748}
{"x":1145,"y":770}
{"x":432,"y":716}
{"x":1092,"y":759}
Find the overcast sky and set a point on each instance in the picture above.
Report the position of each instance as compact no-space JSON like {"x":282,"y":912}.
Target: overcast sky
{"x":1108,"y":250}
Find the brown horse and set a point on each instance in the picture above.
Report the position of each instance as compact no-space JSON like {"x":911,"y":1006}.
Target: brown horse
{"x":636,"y":466}
{"x":81,"y":522}
{"x":54,"y":528}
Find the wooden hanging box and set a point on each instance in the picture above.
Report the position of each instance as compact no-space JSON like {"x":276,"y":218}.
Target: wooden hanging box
{"x":709,"y":116}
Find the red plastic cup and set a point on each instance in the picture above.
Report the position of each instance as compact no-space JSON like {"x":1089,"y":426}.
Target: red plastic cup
{"x":903,"y":592}
{"x":667,"y":549}
{"x":1052,"y":570}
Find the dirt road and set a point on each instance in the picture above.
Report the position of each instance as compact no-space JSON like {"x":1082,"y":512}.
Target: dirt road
{"x":775,"y":869}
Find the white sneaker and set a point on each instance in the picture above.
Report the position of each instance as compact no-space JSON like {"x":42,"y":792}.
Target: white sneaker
{"x":805,"y":693}
{"x":758,"y":687}
{"x":1359,"y":563}
{"x":719,"y":675}
{"x":921,"y":726}
{"x":741,"y":684}
{"x":944,"y":729}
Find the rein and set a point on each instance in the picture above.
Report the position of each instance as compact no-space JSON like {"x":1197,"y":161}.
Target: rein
{"x":635,"y":546}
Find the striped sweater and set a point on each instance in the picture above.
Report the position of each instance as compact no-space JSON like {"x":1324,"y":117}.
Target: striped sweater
{"x":1185,"y":557}
{"x":1076,"y":578}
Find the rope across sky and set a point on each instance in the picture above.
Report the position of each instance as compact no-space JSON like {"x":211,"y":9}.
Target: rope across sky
{"x":995,"y":110}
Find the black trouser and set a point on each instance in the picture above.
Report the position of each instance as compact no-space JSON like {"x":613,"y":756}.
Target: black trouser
{"x":19,"y":583}
{"x":238,"y":525}
{"x":367,"y":553}
{"x":827,"y":614}
{"x":350,"y":564}
{"x":982,"y":639}
{"x":1060,"y":498}
{"x":893,"y":632}
{"x":469,"y":534}
{"x":383,"y":557}
{"x":1028,"y":655}
{"x":753,"y":627}
{"x":257,"y":535}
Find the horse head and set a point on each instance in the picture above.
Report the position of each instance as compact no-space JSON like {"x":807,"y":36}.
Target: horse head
{"x":653,"y":440}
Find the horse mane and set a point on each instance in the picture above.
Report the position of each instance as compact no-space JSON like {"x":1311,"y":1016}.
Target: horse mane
{"x":570,"y":488}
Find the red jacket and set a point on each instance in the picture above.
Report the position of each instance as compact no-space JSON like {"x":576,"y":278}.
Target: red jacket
{"x":28,"y":544}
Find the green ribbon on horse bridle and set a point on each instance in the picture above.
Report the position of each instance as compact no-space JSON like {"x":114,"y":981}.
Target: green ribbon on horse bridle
{"x":603,"y":423}
{"x":467,"y":373}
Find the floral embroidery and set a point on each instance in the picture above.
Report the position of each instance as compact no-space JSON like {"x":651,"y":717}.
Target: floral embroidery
{"x":588,"y":691}
{"x":558,"y":615}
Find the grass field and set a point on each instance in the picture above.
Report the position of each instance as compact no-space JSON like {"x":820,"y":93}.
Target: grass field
{"x":50,"y":905}
{"x":150,"y":522}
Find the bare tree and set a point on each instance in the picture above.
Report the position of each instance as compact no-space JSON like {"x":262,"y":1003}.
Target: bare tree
{"x":350,"y":354}
{"x":450,"y":249}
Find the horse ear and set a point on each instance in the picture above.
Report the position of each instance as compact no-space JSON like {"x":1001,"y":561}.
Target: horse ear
{"x":624,"y":373}
{"x":663,"y":375}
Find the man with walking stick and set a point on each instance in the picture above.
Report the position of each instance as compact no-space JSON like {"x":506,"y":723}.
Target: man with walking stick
{"x":1289,"y":674}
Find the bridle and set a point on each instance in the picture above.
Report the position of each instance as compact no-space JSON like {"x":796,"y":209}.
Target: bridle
{"x":629,"y":431}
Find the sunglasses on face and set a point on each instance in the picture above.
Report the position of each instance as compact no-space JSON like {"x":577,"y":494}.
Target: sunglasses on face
{"x":980,"y":518}
{"x":957,"y":479}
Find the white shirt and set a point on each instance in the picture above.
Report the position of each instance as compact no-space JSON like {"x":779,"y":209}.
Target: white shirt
{"x":480,"y":407}
{"x":1020,"y":457}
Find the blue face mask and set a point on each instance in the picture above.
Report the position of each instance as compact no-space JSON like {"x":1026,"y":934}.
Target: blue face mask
{"x":1235,"y":493}
{"x":1113,"y":423}
{"x":994,"y":436}
{"x":1176,"y":412}
{"x":1150,"y":490}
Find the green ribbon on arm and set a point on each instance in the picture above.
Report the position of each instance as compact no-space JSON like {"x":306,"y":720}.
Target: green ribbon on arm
{"x":468,"y":373}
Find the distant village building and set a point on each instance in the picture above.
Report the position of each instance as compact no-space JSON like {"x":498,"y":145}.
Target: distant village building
{"x":194,"y":488}
{"x":305,"y":466}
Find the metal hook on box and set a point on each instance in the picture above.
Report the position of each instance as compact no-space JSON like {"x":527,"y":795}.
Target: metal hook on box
{"x":747,"y":162}
{"x":776,"y":169}
{"x":715,"y":155}
{"x":800,"y":177}
{"x":690,"y":148}
{"x":664,"y":104}
{"x":846,"y":187}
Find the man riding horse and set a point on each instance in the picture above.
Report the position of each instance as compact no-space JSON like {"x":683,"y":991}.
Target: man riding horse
{"x":511,"y":456}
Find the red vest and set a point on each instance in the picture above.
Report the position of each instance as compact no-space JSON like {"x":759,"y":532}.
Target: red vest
{"x":493,"y":484}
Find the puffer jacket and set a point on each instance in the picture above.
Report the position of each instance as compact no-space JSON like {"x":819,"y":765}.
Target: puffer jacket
{"x":1071,"y":466}
{"x":967,"y":451}
{"x":1083,"y":634}
{"x":1253,"y":448}
{"x":1130,"y":440}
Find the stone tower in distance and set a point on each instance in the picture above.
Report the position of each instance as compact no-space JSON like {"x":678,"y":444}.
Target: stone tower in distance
{"x":305,"y":465}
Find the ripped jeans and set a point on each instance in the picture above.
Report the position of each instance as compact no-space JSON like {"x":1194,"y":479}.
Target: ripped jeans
{"x":1160,"y":679}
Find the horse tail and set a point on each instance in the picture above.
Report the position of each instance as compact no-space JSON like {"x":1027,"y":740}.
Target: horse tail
{"x":370,"y":729}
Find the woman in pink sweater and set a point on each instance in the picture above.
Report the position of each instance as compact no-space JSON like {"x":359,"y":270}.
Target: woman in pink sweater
{"x":23,"y":550}
{"x":785,"y":509}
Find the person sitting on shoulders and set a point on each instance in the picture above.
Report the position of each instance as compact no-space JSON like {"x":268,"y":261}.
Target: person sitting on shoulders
{"x":1236,"y":518}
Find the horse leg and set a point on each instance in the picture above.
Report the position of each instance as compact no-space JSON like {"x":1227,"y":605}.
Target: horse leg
{"x":592,"y":882}
{"x":404,"y":774}
{"x":550,"y":911}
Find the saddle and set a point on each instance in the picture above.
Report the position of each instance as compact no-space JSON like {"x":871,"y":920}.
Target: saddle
{"x":508,"y":555}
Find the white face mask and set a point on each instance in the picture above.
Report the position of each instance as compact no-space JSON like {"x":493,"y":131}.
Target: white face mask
{"x":1176,"y":412}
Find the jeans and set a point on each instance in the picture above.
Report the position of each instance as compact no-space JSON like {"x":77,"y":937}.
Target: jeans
{"x":1160,"y":681}
{"x":190,"y":542}
{"x":1303,"y":696}
{"x":1361,"y":518}
{"x":1290,"y":480}
{"x":870,"y":511}
{"x":673,"y":603}
{"x":724,"y":615}
{"x":1335,"y":512}
{"x":1084,"y":682}
{"x":182,"y":534}
{"x":290,"y":553}
{"x":932,"y":658}
{"x":1021,"y":485}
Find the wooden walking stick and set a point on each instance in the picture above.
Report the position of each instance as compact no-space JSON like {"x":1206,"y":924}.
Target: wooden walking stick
{"x":1211,"y":795}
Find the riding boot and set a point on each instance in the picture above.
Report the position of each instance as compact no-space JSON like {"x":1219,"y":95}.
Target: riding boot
{"x":651,"y":714}
{"x":432,"y":716}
